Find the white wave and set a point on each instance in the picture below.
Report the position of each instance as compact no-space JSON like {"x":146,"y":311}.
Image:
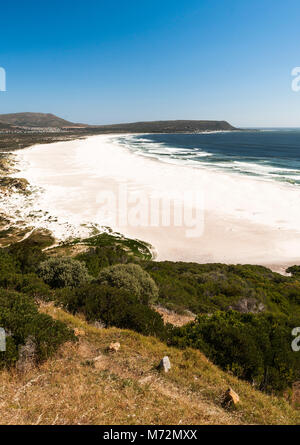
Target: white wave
{"x":196,"y":158}
{"x":257,"y":168}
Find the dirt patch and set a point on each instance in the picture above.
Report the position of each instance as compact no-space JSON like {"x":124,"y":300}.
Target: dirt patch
{"x":174,"y":318}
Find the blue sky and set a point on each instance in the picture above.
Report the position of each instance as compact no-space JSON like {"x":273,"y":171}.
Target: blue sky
{"x":120,"y":61}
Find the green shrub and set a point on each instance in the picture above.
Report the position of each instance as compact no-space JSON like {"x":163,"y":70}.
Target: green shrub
{"x":99,"y":257}
{"x":26,"y":256}
{"x":255,"y":347}
{"x":206,"y":288}
{"x":7,"y":263}
{"x":112,"y":306}
{"x":34,"y":286}
{"x":294,"y":270}
{"x":61,"y":272}
{"x":20,"y":319}
{"x":131,"y":278}
{"x":29,"y":284}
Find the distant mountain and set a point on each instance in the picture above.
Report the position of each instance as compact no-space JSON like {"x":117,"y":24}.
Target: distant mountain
{"x":44,"y":120}
{"x":5,"y":126}
{"x":35,"y":120}
{"x":177,"y":126}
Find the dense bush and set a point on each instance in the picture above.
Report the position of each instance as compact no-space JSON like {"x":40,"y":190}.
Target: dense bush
{"x":255,"y":347}
{"x":7,"y":263}
{"x":112,"y":306}
{"x":109,"y":248}
{"x":60,"y":272}
{"x":12,"y":278}
{"x":206,"y":288}
{"x":26,"y":256}
{"x":20,"y":318}
{"x":99,"y":257}
{"x":131,"y":278}
{"x":294,"y":270}
{"x":29,"y":284}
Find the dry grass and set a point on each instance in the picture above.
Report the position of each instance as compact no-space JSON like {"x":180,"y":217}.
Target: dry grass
{"x":84,"y":384}
{"x":69,"y":251}
{"x":173,"y":317}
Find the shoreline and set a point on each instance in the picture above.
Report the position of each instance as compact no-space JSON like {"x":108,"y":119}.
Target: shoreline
{"x":67,"y":176}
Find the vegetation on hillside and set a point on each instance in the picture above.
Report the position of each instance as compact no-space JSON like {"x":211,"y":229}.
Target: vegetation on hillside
{"x":112,"y":306}
{"x":63,"y":272}
{"x":21,"y":319}
{"x":132,"y":279}
{"x":86,"y":385}
{"x":206,"y":288}
{"x":254,"y":347}
{"x":246,"y":313}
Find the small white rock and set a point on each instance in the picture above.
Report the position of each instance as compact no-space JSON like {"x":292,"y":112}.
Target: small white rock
{"x":114,"y":347}
{"x":165,"y":364}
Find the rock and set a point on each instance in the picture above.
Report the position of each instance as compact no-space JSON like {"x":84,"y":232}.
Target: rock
{"x":27,"y":356}
{"x":165,"y":364}
{"x":230,"y":398}
{"x":114,"y":347}
{"x":6,"y":165}
{"x":9,"y":183}
{"x":99,"y":324}
{"x":79,"y":332}
{"x":246,"y":305}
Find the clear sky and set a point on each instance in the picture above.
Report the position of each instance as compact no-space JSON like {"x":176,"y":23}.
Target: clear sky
{"x":121,"y":61}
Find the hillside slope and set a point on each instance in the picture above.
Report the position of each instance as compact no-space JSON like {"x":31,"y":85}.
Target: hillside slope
{"x":35,"y":120}
{"x":43,"y":120}
{"x":174,"y":126}
{"x":4,"y":126}
{"x":125,"y":387}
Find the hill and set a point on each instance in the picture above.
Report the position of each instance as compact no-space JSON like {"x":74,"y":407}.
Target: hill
{"x":35,"y":120}
{"x":4,"y":126}
{"x":43,"y":120}
{"x":174,"y":126}
{"x":125,"y":388}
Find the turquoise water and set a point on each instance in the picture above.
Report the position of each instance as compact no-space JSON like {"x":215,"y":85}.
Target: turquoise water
{"x":271,"y":153}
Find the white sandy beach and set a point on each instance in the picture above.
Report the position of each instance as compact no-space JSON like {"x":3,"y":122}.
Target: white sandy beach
{"x":245,"y":220}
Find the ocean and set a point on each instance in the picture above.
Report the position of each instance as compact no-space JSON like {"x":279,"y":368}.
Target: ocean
{"x":272,"y":154}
